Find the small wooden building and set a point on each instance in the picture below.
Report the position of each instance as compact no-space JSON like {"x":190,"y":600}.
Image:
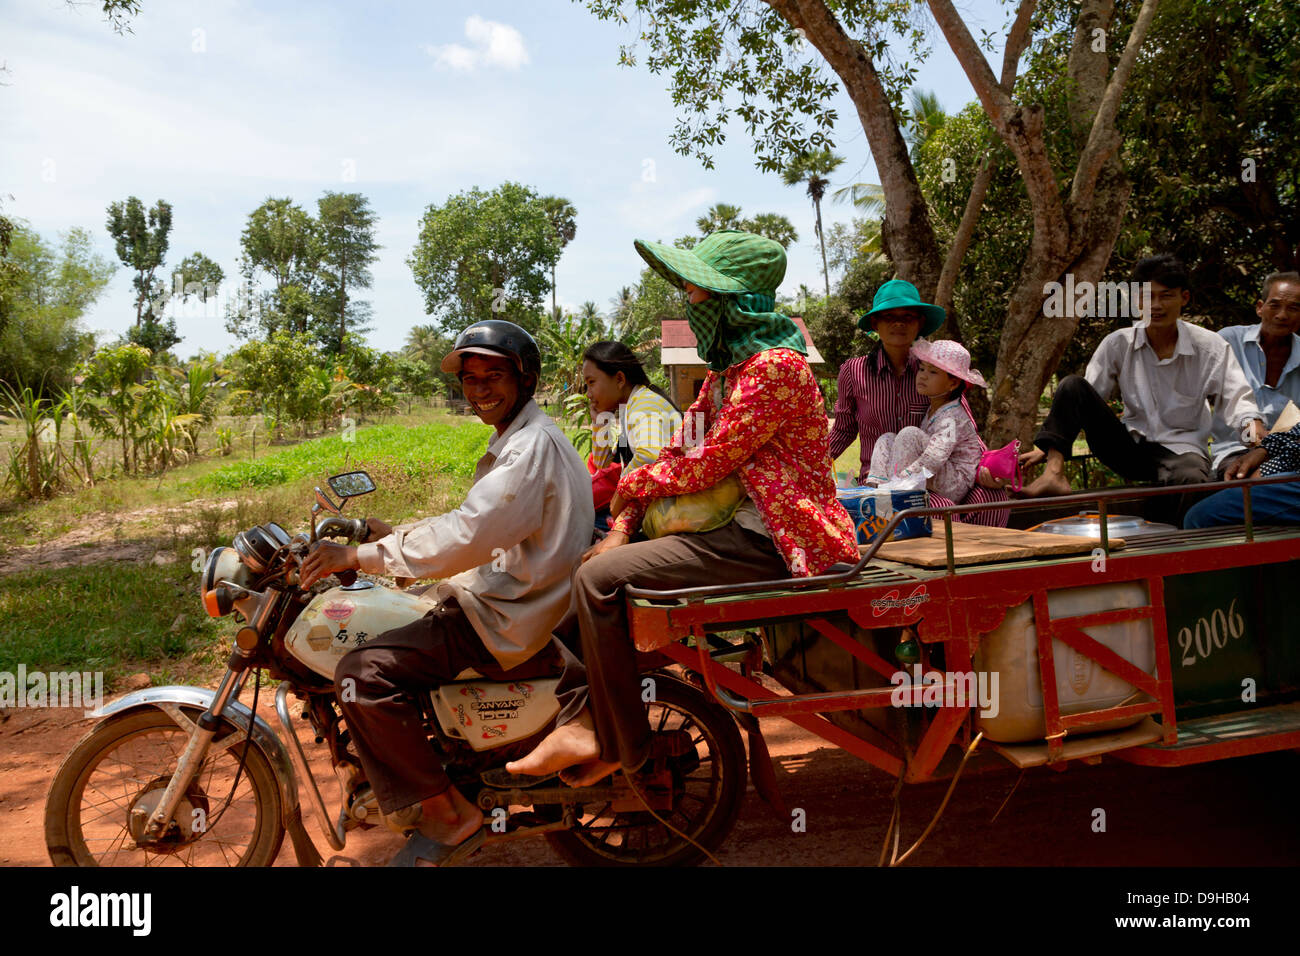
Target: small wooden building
{"x":684,"y":367}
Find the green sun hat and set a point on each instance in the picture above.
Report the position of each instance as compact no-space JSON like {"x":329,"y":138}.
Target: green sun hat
{"x":726,"y":262}
{"x":901,"y":294}
{"x":741,"y":271}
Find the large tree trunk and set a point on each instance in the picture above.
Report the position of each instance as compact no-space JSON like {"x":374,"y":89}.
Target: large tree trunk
{"x":906,"y":236}
{"x":1073,"y":234}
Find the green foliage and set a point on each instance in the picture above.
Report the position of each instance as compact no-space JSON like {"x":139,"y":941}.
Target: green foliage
{"x":101,"y":616}
{"x":197,"y":275}
{"x":638,"y":323}
{"x":1213,"y":157}
{"x":577,"y":423}
{"x":728,"y":60}
{"x":345,"y":231}
{"x":562,"y":345}
{"x":769,"y":224}
{"x":414,"y":453}
{"x":485,"y":255}
{"x":115,"y":375}
{"x":46,"y":291}
{"x":275,"y":376}
{"x":140,"y":239}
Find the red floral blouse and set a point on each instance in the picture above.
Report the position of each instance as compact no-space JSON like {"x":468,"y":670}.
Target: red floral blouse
{"x":769,"y":428}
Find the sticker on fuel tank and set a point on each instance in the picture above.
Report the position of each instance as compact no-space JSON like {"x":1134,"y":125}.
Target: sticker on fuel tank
{"x":339,"y":610}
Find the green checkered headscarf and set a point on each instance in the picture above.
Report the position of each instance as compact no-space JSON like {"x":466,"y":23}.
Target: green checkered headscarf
{"x":742,"y":271}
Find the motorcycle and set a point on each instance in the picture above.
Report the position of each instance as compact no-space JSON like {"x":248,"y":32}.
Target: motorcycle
{"x":191,"y":776}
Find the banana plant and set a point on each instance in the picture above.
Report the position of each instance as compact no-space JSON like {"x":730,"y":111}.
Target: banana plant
{"x":33,"y":464}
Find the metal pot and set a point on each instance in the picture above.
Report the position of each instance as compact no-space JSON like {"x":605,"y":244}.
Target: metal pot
{"x":1087,"y":524}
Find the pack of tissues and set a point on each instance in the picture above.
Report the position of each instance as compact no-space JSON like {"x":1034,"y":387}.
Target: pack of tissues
{"x":871,"y":508}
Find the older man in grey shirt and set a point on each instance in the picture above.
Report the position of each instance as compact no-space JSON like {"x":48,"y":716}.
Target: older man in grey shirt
{"x":509,"y":550}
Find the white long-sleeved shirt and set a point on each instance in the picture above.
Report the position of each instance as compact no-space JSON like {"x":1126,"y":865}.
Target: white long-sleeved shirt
{"x":1165,"y":400}
{"x":509,"y":552}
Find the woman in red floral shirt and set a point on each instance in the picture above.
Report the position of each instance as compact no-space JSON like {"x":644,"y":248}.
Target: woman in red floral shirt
{"x":760,"y":417}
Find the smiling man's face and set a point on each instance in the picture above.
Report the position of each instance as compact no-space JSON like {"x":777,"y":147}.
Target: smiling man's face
{"x":491,"y":387}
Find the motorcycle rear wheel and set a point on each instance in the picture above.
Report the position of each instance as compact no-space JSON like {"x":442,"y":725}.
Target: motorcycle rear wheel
{"x":708,"y":786}
{"x":125,"y":759}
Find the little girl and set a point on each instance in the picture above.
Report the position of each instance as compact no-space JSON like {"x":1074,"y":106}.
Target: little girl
{"x":946,"y":444}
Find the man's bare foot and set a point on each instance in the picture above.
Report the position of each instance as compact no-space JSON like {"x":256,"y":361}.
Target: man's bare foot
{"x":572,"y":743}
{"x":1047,"y":484}
{"x":589,"y":774}
{"x":450,"y":818}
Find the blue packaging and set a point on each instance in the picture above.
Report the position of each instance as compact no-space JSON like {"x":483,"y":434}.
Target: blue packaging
{"x":871,"y":510}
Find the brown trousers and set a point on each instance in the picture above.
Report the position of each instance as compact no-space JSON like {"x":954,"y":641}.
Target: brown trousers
{"x":390,"y":674}
{"x":730,"y":555}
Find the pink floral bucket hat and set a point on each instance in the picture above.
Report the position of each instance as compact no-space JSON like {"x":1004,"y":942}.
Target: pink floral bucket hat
{"x":949,"y":356}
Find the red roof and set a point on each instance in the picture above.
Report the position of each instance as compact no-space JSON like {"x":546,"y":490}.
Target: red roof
{"x":677,"y":334}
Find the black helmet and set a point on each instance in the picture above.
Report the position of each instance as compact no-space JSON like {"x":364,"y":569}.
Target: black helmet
{"x":496,"y":337}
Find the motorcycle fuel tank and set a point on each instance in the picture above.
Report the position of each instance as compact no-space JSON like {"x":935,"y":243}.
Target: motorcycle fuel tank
{"x":341,"y":619}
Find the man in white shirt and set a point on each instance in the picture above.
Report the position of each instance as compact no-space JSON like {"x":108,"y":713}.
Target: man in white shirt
{"x":509,"y":550}
{"x":1170,"y":374}
{"x":1269,"y":355}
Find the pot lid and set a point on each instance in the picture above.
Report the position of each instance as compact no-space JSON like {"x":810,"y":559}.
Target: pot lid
{"x":1088,"y":524}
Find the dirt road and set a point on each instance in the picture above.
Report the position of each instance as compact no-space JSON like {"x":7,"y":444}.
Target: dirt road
{"x":1232,"y":813}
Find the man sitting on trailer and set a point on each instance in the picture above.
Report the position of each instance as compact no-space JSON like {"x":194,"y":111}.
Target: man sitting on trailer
{"x":1269,"y":355}
{"x":1166,"y":370}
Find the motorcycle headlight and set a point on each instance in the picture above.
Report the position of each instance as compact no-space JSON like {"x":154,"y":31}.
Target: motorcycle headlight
{"x":224,"y":564}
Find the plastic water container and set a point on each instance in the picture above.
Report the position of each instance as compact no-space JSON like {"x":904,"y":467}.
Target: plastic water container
{"x":1081,"y":683}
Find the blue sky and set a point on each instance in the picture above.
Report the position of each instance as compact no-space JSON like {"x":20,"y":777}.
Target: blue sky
{"x":216,"y":106}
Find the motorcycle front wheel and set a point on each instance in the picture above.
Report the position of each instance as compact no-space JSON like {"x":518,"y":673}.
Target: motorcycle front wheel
{"x":110,"y":782}
{"x":708,"y":787}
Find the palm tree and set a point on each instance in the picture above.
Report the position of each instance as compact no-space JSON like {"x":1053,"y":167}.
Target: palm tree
{"x":426,"y":344}
{"x":813,"y":168}
{"x":719,"y":216}
{"x":773,"y":225}
{"x":590,"y":312}
{"x":618,"y":318}
{"x":563,"y":218}
{"x":928,"y":118}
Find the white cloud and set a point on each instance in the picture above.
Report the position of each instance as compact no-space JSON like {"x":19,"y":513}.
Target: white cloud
{"x":494,"y":44}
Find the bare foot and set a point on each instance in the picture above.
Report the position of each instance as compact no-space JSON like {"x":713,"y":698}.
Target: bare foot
{"x":589,"y":774}
{"x":570,"y":744}
{"x":1048,"y":484}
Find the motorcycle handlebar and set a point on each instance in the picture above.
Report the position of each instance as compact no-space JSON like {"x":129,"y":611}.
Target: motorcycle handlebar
{"x":337,"y":526}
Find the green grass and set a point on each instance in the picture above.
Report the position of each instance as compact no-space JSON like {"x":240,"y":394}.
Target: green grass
{"x":102,"y":617}
{"x":394,"y":449}
{"x":118,"y":617}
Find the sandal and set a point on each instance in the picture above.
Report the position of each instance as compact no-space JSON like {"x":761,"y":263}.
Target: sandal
{"x":420,"y":847}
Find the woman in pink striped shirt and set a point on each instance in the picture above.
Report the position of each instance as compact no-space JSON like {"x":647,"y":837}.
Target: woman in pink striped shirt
{"x":877,"y":391}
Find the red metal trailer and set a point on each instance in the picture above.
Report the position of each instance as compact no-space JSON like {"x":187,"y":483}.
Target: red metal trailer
{"x":1218,"y":607}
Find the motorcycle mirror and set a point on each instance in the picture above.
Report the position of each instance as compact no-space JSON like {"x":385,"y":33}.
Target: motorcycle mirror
{"x":351,"y":484}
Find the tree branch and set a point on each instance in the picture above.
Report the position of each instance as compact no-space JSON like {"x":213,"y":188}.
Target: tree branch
{"x":996,"y":102}
{"x":965,"y":230}
{"x":1017,"y":40}
{"x":907,"y":232}
{"x":1102,"y":139}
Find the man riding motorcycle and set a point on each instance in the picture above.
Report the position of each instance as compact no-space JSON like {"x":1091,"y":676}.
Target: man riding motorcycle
{"x":507,"y":555}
